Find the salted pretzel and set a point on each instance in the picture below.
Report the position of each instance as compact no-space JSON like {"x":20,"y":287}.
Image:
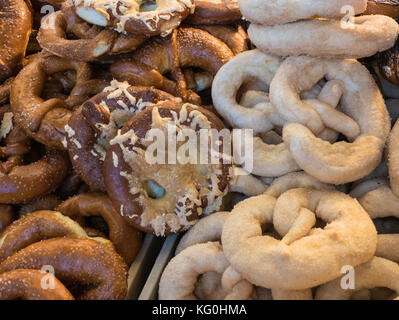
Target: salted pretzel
{"x":161,"y":55}
{"x":93,"y":264}
{"x":163,"y":198}
{"x":27,"y":284}
{"x":22,"y":181}
{"x":47,"y":202}
{"x":45,"y":120}
{"x":37,"y":226}
{"x":127,"y":240}
{"x":132,"y":17}
{"x":92,"y":126}
{"x":15,"y":28}
{"x":215,"y":12}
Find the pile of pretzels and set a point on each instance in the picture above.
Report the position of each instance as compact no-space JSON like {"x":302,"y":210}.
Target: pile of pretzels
{"x":319,"y":217}
{"x":85,"y":83}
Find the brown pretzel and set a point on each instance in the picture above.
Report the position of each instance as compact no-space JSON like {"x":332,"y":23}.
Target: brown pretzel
{"x":15,"y":27}
{"x":215,"y":12}
{"x":20,"y":182}
{"x":128,"y":16}
{"x":27,"y":284}
{"x":6,"y":216}
{"x":93,"y":264}
{"x":180,"y":50}
{"x":45,"y":120}
{"x":134,"y":185}
{"x":92,"y":126}
{"x":127,"y":240}
{"x":35,"y":227}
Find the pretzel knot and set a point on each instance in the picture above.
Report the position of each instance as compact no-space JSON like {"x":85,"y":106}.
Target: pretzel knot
{"x":305,"y":256}
{"x":45,"y":120}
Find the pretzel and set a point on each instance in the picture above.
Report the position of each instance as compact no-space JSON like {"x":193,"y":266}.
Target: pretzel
{"x":161,"y":55}
{"x":93,"y":41}
{"x":377,"y":272}
{"x":27,"y":284}
{"x":92,"y":263}
{"x":274,"y":12}
{"x":15,"y":28}
{"x":37,"y":226}
{"x":214,"y":12}
{"x":327,"y":38}
{"x":364,"y":120}
{"x":302,"y":259}
{"x":43,"y":120}
{"x":129,"y":16}
{"x":127,"y":240}
{"x":21,"y":182}
{"x":145,"y":194}
{"x":92,"y":126}
{"x":180,"y":275}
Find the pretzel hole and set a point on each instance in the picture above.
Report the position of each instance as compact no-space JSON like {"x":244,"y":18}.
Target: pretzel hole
{"x":146,"y":6}
{"x":153,"y":189}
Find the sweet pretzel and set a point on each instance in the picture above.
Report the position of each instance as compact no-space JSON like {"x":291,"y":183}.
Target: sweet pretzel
{"x":180,"y":275}
{"x":215,"y":12}
{"x":305,"y":256}
{"x":129,"y":16}
{"x":93,"y":41}
{"x":127,"y":240}
{"x":45,"y":120}
{"x":37,"y":226}
{"x":92,"y":126}
{"x":92,"y":263}
{"x":161,"y":55}
{"x":15,"y":28}
{"x":145,"y":194}
{"x":27,"y":284}
{"x":364,"y":119}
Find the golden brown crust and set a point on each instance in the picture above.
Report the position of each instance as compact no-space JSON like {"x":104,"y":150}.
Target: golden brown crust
{"x":37,"y":226}
{"x":15,"y":28}
{"x":44,"y":120}
{"x":126,"y":239}
{"x":93,"y":264}
{"x":27,"y":284}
